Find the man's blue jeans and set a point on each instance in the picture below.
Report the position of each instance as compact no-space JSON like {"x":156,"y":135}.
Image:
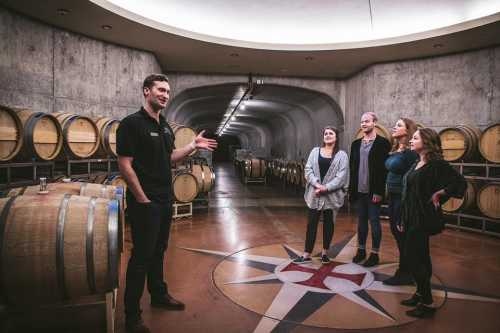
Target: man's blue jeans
{"x":367,"y":210}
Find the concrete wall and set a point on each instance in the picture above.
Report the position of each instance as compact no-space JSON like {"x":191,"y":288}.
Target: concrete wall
{"x":46,"y":69}
{"x":436,"y":92}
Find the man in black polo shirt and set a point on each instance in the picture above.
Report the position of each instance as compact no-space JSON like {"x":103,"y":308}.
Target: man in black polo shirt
{"x":145,"y":146}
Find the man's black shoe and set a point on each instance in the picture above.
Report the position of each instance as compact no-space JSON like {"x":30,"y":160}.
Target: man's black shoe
{"x":399,"y":279}
{"x":360,"y":256}
{"x":372,"y":260}
{"x":136,"y":326}
{"x":413,"y":301}
{"x":421,"y":311}
{"x":167,"y":302}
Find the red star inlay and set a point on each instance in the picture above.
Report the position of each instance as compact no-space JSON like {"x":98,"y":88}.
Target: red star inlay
{"x":319,"y":275}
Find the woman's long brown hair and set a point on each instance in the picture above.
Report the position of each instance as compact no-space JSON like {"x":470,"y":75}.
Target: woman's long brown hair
{"x":432,"y":143}
{"x":411,"y":128}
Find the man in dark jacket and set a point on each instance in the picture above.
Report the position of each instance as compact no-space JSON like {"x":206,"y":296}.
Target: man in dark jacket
{"x":367,"y":185}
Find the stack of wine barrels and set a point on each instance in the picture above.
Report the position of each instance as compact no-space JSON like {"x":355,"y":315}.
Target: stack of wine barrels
{"x":465,"y":143}
{"x":255,"y":168}
{"x":58,"y":247}
{"x":27,"y":135}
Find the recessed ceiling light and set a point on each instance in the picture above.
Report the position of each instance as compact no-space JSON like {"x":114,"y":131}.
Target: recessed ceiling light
{"x":62,"y":11}
{"x":106,"y":27}
{"x":235,"y":55}
{"x":309,"y":58}
{"x":437,"y":46}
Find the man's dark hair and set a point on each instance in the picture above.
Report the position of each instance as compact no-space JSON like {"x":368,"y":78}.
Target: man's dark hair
{"x":150,"y":80}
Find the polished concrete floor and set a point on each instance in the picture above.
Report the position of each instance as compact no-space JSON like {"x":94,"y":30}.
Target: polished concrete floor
{"x":231,"y":265}
{"x":227,"y":265}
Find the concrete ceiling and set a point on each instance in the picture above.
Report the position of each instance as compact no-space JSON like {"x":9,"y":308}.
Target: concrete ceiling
{"x":335,"y":55}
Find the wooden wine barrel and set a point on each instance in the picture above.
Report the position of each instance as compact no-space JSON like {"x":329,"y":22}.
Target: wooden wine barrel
{"x":118,"y":182}
{"x":43,"y":139}
{"x":489,"y":143}
{"x":255,"y":168}
{"x":185,"y":187}
{"x":459,"y":143}
{"x":488,"y":200}
{"x":27,"y":135}
{"x":381,"y":130}
{"x":11,"y":134}
{"x":107,"y":136}
{"x":184,"y":135}
{"x":57,"y":248}
{"x":81,"y":136}
{"x":467,"y":202}
{"x":74,"y":188}
{"x":205,"y":177}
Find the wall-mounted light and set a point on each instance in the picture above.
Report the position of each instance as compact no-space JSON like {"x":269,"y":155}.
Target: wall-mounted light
{"x":106,"y":27}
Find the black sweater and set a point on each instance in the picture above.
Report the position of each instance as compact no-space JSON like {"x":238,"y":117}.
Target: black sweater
{"x":377,"y":172}
{"x":435,"y":176}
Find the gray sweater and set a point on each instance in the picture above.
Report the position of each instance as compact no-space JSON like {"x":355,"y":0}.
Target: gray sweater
{"x":336,"y":181}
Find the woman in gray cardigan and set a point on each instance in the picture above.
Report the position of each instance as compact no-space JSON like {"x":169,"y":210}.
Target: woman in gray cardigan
{"x":327,"y":175}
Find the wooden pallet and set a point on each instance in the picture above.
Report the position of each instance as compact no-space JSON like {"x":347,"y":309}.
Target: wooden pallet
{"x":182,"y":209}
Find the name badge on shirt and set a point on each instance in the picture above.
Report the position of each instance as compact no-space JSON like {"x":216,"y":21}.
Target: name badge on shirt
{"x":154,"y":134}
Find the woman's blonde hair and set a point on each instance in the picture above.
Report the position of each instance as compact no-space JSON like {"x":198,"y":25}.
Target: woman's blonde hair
{"x":411,"y":128}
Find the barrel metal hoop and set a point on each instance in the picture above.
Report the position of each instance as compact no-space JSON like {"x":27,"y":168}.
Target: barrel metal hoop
{"x":28,"y":133}
{"x":113,"y":255}
{"x":3,"y":221}
{"x":60,"y":246}
{"x":89,"y":245}
{"x":202,"y":178}
{"x":83,"y":188}
{"x":67,"y":124}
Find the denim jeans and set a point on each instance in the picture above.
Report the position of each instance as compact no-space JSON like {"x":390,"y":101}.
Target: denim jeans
{"x":367,"y":210}
{"x":150,"y":226}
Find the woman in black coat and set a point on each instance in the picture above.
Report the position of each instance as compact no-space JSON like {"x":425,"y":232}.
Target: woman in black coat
{"x":428,"y":184}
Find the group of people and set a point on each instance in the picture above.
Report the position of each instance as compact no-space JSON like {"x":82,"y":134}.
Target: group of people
{"x":415,"y":179}
{"x":413,"y":171}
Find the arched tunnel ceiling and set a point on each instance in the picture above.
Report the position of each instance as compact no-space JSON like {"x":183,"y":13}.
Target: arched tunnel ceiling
{"x":268,"y":111}
{"x":180,"y":51}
